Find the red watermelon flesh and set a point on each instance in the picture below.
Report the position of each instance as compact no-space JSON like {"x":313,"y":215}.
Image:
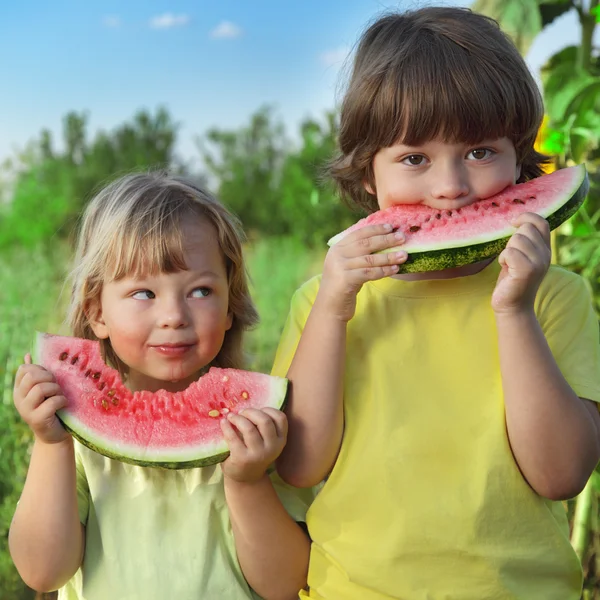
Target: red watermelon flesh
{"x":172,"y":430}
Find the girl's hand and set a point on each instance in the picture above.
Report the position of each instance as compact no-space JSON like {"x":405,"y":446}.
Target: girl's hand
{"x":352,"y":262}
{"x":255,"y":439}
{"x":37,"y":397}
{"x":525,"y":261}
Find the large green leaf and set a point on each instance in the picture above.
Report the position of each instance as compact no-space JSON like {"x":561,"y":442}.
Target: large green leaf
{"x":561,"y":88}
{"x":520,"y":19}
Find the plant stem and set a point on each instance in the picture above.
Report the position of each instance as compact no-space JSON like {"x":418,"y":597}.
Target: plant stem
{"x":581,"y":520}
{"x":588,"y":25}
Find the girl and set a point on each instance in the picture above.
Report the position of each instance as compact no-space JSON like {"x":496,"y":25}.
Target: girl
{"x":160,"y":280}
{"x":450,"y":411}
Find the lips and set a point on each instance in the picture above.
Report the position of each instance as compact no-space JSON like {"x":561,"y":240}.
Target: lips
{"x":172,"y":349}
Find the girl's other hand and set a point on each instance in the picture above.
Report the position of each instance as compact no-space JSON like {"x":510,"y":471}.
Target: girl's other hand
{"x":255,"y":439}
{"x":355,"y":260}
{"x":525,"y":262}
{"x":37,"y":397}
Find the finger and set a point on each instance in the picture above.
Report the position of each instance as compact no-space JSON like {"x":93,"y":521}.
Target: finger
{"x":537,"y":221}
{"x":232,"y":438}
{"x":529,"y":241}
{"x":49,"y":407}
{"x":250,"y":434}
{"x":374,"y":266}
{"x":30,"y":375}
{"x":263,"y":421}
{"x":28,"y":359}
{"x":279,"y":419}
{"x":515,"y":260}
{"x":39,"y":393}
{"x":372,"y":245}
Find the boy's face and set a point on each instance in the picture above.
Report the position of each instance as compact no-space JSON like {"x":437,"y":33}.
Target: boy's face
{"x":443,"y":175}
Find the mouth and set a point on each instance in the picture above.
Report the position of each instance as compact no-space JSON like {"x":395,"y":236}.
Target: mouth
{"x":170,"y":349}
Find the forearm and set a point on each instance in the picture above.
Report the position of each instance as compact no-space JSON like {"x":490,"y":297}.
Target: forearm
{"x":315,"y":408}
{"x":46,"y":536}
{"x":552,"y":436}
{"x":272,"y":549}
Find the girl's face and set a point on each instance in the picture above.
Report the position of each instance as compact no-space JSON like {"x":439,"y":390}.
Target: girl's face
{"x":443,"y":175}
{"x":167,"y":327}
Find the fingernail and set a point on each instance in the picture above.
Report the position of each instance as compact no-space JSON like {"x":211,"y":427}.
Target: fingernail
{"x":400,"y":255}
{"x":399,"y":235}
{"x":388,"y":227}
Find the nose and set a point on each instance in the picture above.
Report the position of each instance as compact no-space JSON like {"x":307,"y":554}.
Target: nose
{"x":173,"y":313}
{"x":450,"y":182}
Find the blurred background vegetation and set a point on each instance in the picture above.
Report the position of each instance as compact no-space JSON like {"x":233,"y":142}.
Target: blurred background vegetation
{"x":276,"y":186}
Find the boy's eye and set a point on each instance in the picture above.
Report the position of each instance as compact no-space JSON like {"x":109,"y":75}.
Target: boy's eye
{"x":143,"y":295}
{"x":200,"y":292}
{"x":414,"y":159}
{"x":480,"y":153}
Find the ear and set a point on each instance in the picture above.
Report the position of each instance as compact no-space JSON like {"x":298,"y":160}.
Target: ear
{"x":517,"y":172}
{"x":93,"y":312}
{"x":368,"y":187}
{"x":229,"y":321}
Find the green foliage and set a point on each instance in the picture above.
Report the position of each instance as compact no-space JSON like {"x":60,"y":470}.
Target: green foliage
{"x":274,"y":188}
{"x":277,"y":267}
{"x":52,"y":187}
{"x":30,"y":282}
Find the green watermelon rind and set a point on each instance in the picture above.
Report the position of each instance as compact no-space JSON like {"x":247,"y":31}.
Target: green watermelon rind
{"x":216,"y":454}
{"x":170,"y":458}
{"x":458,"y":256}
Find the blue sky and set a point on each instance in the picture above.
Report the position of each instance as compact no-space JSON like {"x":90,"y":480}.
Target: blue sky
{"x":210,"y":63}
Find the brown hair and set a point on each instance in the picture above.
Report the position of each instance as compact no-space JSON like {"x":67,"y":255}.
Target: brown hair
{"x":133,"y":227}
{"x":436,"y":72}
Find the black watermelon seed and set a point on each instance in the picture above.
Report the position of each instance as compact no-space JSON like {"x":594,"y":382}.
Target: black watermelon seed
{"x":438,"y":216}
{"x":414,"y":228}
{"x":96,"y":375}
{"x":87,"y":373}
{"x":101,"y":385}
{"x":495,"y":204}
{"x":518,"y":201}
{"x":63,"y":356}
{"x":74,"y":360}
{"x":449,"y":213}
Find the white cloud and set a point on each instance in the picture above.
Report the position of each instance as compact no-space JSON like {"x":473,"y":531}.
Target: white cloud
{"x":335,"y":57}
{"x":112,"y":21}
{"x":226,"y":30}
{"x":168,"y":21}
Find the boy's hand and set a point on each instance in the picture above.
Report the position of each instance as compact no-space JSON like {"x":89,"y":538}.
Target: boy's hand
{"x":352,"y":262}
{"x":255,"y":439}
{"x":525,"y":261}
{"x":37,"y":397}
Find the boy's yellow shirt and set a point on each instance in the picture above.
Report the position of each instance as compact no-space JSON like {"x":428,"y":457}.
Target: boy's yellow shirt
{"x":425,"y":501}
{"x":159,"y":534}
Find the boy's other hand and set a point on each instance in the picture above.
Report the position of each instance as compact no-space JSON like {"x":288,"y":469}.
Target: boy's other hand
{"x":524,"y":261}
{"x":352,"y":262}
{"x":255,"y":438}
{"x":37,"y":397}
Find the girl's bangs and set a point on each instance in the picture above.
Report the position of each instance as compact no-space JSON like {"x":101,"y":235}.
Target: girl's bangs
{"x":146,"y":251}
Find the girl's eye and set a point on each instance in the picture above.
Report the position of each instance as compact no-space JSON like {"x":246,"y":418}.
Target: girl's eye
{"x":200,"y":292}
{"x":143,"y":295}
{"x":414,"y":160}
{"x":480,"y":153}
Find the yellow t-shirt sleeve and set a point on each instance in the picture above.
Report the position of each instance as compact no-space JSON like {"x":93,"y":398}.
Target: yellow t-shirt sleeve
{"x":567,"y":318}
{"x":83,"y":490}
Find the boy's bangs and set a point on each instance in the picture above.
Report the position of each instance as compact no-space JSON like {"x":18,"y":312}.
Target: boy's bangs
{"x":146,"y":251}
{"x":444,"y":97}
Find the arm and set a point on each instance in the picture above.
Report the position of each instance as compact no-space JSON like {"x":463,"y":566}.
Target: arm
{"x":272,"y":549}
{"x":554,"y":435}
{"x":46,"y":538}
{"x":315,"y":407}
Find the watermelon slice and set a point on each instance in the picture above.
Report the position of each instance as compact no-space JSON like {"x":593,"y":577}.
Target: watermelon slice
{"x":160,"y":429}
{"x":440,"y":239}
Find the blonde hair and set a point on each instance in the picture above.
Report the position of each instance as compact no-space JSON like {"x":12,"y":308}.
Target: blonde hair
{"x":434,"y":72}
{"x":133,"y":227}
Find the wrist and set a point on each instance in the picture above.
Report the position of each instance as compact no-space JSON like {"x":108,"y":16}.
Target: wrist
{"x":244,"y":485}
{"x":58,"y":445}
{"x":516,"y":314}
